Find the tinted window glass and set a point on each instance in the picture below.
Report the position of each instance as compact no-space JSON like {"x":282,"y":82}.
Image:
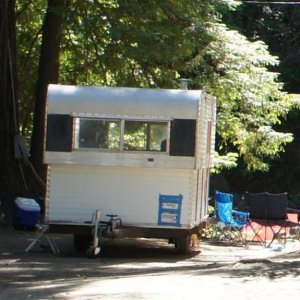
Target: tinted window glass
{"x":182,"y":139}
{"x":145,"y":136}
{"x":97,"y":133}
{"x":59,"y":133}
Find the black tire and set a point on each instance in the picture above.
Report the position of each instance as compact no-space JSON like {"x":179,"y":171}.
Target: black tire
{"x":183,"y":245}
{"x":82,"y":242}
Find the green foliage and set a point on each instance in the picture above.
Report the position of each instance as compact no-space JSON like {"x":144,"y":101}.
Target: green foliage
{"x":29,"y":30}
{"x":211,"y":210}
{"x":152,"y":43}
{"x":227,"y":161}
{"x":278,"y":26}
{"x":217,"y":233}
{"x":296,"y":100}
{"x":250,"y":100}
{"x":132,"y":43}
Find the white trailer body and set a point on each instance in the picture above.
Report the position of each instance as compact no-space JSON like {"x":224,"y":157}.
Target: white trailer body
{"x":142,"y":154}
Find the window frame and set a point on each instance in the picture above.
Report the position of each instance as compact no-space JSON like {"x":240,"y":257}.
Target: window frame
{"x":148,"y":124}
{"x":77,"y":131}
{"x":122,"y":121}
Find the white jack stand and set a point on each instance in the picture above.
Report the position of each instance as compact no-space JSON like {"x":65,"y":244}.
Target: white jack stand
{"x":94,"y":250}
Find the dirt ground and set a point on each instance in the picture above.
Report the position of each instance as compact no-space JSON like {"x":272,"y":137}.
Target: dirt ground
{"x":145,"y":269}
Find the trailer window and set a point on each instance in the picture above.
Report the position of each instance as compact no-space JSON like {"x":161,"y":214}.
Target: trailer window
{"x":182,"y":139}
{"x":145,"y":136}
{"x":97,"y":133}
{"x":59,"y":133}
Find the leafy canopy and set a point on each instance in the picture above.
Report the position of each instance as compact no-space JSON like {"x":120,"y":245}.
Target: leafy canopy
{"x":249,"y":96}
{"x":152,"y":43}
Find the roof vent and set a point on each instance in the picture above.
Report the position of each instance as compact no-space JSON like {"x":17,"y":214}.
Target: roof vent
{"x":184,"y":83}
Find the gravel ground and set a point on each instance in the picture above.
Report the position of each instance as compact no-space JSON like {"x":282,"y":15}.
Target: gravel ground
{"x":145,"y":269}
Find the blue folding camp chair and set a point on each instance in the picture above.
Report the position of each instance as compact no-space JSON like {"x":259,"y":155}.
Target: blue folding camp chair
{"x":230,"y":222}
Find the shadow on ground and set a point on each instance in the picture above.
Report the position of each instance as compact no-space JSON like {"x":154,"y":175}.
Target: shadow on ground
{"x":40,"y":274}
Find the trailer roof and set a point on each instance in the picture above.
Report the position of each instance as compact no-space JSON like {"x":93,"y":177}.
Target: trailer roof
{"x":113,"y":101}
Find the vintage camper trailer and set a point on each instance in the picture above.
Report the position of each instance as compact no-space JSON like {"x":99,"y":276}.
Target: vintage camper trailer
{"x":142,"y":157}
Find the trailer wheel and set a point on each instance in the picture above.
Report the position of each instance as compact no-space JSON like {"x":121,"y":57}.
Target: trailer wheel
{"x":82,"y":242}
{"x":183,"y":245}
{"x":93,"y":252}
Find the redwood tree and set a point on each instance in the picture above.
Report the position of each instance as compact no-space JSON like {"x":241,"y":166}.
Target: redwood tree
{"x":48,"y":72}
{"x":12,"y":170}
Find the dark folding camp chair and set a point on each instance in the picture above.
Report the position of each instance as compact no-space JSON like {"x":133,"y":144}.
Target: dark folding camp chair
{"x":230,"y":222}
{"x":270,"y":219}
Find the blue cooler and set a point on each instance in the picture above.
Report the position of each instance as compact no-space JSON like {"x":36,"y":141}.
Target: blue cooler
{"x":26,"y":213}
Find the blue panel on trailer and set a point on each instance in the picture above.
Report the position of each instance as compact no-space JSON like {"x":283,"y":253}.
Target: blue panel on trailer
{"x":169,"y":211}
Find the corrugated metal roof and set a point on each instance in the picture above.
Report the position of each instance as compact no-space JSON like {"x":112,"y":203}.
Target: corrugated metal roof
{"x":113,"y":101}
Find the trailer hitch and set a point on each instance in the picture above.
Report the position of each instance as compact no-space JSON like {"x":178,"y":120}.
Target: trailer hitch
{"x":109,"y":227}
{"x":103,"y":229}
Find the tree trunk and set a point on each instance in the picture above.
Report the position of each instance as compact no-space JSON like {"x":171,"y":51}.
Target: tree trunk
{"x":12,"y":180}
{"x":48,"y":73}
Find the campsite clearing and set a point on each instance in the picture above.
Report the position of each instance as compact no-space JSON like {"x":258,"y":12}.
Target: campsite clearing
{"x":145,"y":269}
